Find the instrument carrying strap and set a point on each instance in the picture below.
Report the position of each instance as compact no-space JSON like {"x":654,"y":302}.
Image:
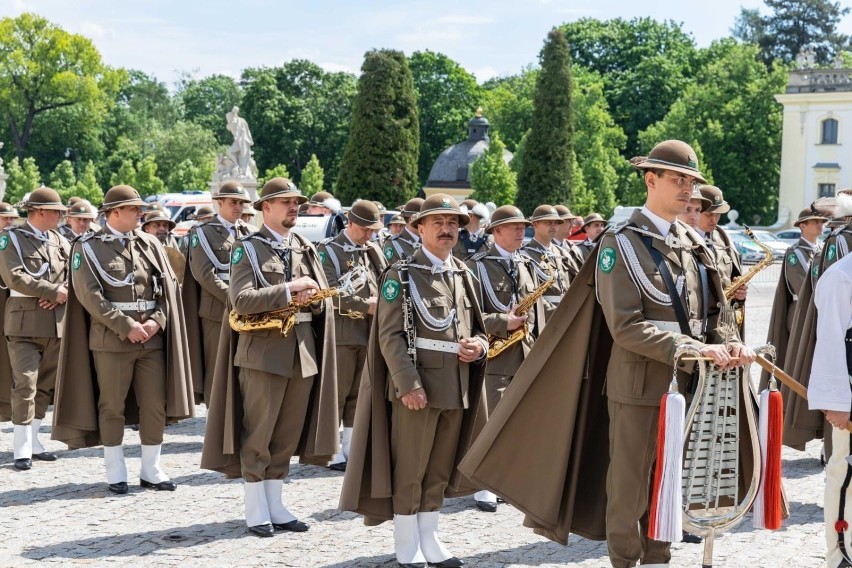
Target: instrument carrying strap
{"x":677,"y":302}
{"x":408,"y":312}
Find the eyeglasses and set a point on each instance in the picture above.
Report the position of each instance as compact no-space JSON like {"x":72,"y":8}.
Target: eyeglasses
{"x":681,"y":180}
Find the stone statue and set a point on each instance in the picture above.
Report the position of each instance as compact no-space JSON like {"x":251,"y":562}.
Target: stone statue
{"x":800,"y":58}
{"x":1,"y":159}
{"x":240,"y":151}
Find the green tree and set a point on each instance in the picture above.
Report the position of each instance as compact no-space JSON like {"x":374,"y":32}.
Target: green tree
{"x":508,"y":104}
{"x":380,"y":159}
{"x":731,"y":110}
{"x":313,"y":177}
{"x":447,"y":96}
{"x":23,"y":178}
{"x":44,"y":68}
{"x":278,"y":171}
{"x":206,"y":101}
{"x":180,"y":142}
{"x":546,"y":171}
{"x":124,"y":175}
{"x":147,"y":181}
{"x":63,"y":179}
{"x":87,"y":186}
{"x":186,"y":175}
{"x":645,"y":65}
{"x":491,"y":177}
{"x":792,"y":25}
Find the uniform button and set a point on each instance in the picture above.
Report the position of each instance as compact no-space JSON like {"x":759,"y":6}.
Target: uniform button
{"x":681,"y":364}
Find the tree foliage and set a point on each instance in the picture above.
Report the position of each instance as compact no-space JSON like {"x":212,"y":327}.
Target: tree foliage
{"x":23,"y":178}
{"x":546,"y":170}
{"x":717,"y":116}
{"x":278,"y":171}
{"x":447,"y":97}
{"x":792,"y":25}
{"x":507,"y":102}
{"x":491,"y":178}
{"x":206,"y":101}
{"x":313,"y":177}
{"x":63,"y":179}
{"x":87,"y":186}
{"x":380,"y":159}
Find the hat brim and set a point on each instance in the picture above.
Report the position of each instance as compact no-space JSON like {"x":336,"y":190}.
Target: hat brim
{"x":258,"y":205}
{"x":646,"y":165}
{"x":125,"y":203}
{"x":355,"y":219}
{"x":490,"y":227}
{"x":801,"y":220}
{"x":237,"y":196}
{"x":556,"y":218}
{"x":11,"y":214}
{"x":48,"y":207}
{"x":171,"y":223}
{"x":587,"y":223}
{"x":464,"y":218}
{"x":724,"y":207}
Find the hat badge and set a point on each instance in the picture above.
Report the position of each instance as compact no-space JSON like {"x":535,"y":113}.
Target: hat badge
{"x":691,"y":162}
{"x":717,"y":200}
{"x":445,"y":202}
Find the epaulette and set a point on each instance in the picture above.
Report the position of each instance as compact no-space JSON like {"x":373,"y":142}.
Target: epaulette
{"x":478,"y":256}
{"x":325,"y":241}
{"x":618,"y":227}
{"x":839,"y":230}
{"x":254,"y":235}
{"x":86,"y":236}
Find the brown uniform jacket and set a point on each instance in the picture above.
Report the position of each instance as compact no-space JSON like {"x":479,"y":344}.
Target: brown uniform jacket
{"x":75,"y":417}
{"x":265,"y":350}
{"x":493,"y":274}
{"x":536,"y":252}
{"x":469,"y":245}
{"x":336,"y":256}
{"x":400,"y":247}
{"x":22,"y":257}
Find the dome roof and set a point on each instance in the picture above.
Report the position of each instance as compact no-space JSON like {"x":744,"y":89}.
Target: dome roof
{"x":452,"y":167}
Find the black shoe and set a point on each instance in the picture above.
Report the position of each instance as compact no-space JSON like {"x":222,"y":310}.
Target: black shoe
{"x":161,"y":486}
{"x":264,"y":530}
{"x":487,"y":506}
{"x":45,"y":457}
{"x":23,"y":463}
{"x":448,"y":563}
{"x":691,"y":538}
{"x":119,"y":488}
{"x":339,"y":466}
{"x":413,"y":565}
{"x":292,"y":526}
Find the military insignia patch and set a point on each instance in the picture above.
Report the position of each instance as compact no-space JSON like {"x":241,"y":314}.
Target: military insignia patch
{"x":388,"y":251}
{"x":606,"y":259}
{"x":792,"y":259}
{"x":78,"y":260}
{"x":322,"y":256}
{"x":390,"y":290}
{"x":238,"y":254}
{"x":832,"y":251}
{"x":4,"y":242}
{"x":194,"y":241}
{"x":815,"y":271}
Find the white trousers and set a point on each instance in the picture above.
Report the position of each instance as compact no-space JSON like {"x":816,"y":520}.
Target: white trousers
{"x":835,"y":474}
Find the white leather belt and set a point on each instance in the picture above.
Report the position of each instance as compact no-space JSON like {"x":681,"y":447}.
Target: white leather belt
{"x":304,"y":317}
{"x":224,"y":276}
{"x":16,"y":294}
{"x":673,"y":326}
{"x":552,"y":299}
{"x":436,"y":345}
{"x":138,"y":305}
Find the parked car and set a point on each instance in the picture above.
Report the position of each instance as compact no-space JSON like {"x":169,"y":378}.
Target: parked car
{"x":750,"y":253}
{"x":779,"y":247}
{"x":792,"y":236}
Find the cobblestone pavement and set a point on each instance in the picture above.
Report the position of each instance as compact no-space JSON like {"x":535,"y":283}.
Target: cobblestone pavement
{"x":61,"y":513}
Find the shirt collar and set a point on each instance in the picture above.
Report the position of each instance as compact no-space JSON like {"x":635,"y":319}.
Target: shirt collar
{"x":437,"y":262}
{"x":661,"y":224}
{"x":279,"y":238}
{"x":117,"y":233}
{"x":415,"y":238}
{"x":503,"y":253}
{"x":225,"y":223}
{"x":35,"y":231}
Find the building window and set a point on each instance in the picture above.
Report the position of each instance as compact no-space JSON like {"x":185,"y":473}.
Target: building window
{"x":825,"y":189}
{"x":829,"y":131}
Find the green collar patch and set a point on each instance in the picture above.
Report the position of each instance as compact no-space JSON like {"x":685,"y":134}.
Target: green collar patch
{"x":815,"y":271}
{"x":237,"y":256}
{"x":322,"y":256}
{"x":606,"y":259}
{"x":390,"y":290}
{"x":78,"y":260}
{"x":832,"y":251}
{"x":193,"y":242}
{"x":792,"y":259}
{"x":388,"y":252}
{"x":4,"y":242}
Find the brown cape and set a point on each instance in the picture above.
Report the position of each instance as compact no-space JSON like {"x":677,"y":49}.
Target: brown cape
{"x":319,"y":439}
{"x":190,"y":293}
{"x":5,"y":364}
{"x":778,"y":336}
{"x":367,"y":484}
{"x":75,"y":413}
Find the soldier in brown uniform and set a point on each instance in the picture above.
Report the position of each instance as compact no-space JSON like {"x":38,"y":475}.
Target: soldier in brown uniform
{"x":718,"y":241}
{"x":208,"y":256}
{"x":433,"y":357}
{"x":282,"y":378}
{"x":402,"y":245}
{"x":8,"y":214}
{"x":540,"y":249}
{"x":121,"y":279}
{"x":33,"y":265}
{"x":317,"y":203}
{"x":505,"y":278}
{"x":593,"y":225}
{"x":352,"y":314}
{"x":472,"y":237}
{"x":79,"y":217}
{"x":563,"y":244}
{"x":396,"y":225}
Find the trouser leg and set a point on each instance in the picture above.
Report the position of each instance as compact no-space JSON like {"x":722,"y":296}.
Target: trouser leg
{"x":289,"y":425}
{"x":210,"y":338}
{"x":47,"y":376}
{"x":115,"y":375}
{"x":442,"y":460}
{"x":350,"y":365}
{"x":836,"y":472}
{"x":149,"y":386}
{"x":412,"y":437}
{"x":25,"y":357}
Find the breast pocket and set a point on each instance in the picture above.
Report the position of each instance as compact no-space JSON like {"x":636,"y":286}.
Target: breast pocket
{"x":274,"y":272}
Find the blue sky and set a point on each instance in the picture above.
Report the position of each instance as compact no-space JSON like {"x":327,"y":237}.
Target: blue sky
{"x":488,"y":37}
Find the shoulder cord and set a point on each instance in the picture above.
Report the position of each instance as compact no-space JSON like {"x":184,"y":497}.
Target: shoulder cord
{"x":252,"y":256}
{"x":205,"y":246}
{"x":842,"y":248}
{"x":640,"y":279}
{"x":44,"y":267}
{"x":93,"y":261}
{"x":489,"y":290}
{"x":430,"y":321}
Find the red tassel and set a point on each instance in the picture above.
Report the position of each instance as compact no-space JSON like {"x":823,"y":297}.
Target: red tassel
{"x":658,"y":469}
{"x":767,"y":505}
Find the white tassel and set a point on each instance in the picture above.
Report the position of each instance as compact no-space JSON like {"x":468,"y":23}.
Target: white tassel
{"x":666,"y":523}
{"x":759,"y":518}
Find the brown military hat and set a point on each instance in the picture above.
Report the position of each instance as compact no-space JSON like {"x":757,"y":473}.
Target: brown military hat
{"x":469,"y":203}
{"x":411,"y":207}
{"x":72,"y":200}
{"x":592,"y":218}
{"x":564,"y":212}
{"x":396,"y":220}
{"x":45,"y":198}
{"x":807,"y":215}
{"x":506,"y":214}
{"x":154,"y":206}
{"x":303,"y":208}
{"x":82,"y":210}
{"x":717,"y":201}
{"x":247,"y":209}
{"x":546,"y":213}
{"x":233,"y":190}
{"x":7,"y":210}
{"x":319,"y":197}
{"x":120,"y":196}
{"x":671,"y":155}
{"x":382,"y":209}
{"x":278,"y":187}
{"x":696,"y":194}
{"x":158,"y":216}
{"x":440,"y":204}
{"x":206,"y":211}
{"x":365,"y":214}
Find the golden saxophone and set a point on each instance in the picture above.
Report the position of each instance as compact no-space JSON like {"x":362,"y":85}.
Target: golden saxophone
{"x":285,"y":318}
{"x":751,"y":273}
{"x":497,"y":345}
